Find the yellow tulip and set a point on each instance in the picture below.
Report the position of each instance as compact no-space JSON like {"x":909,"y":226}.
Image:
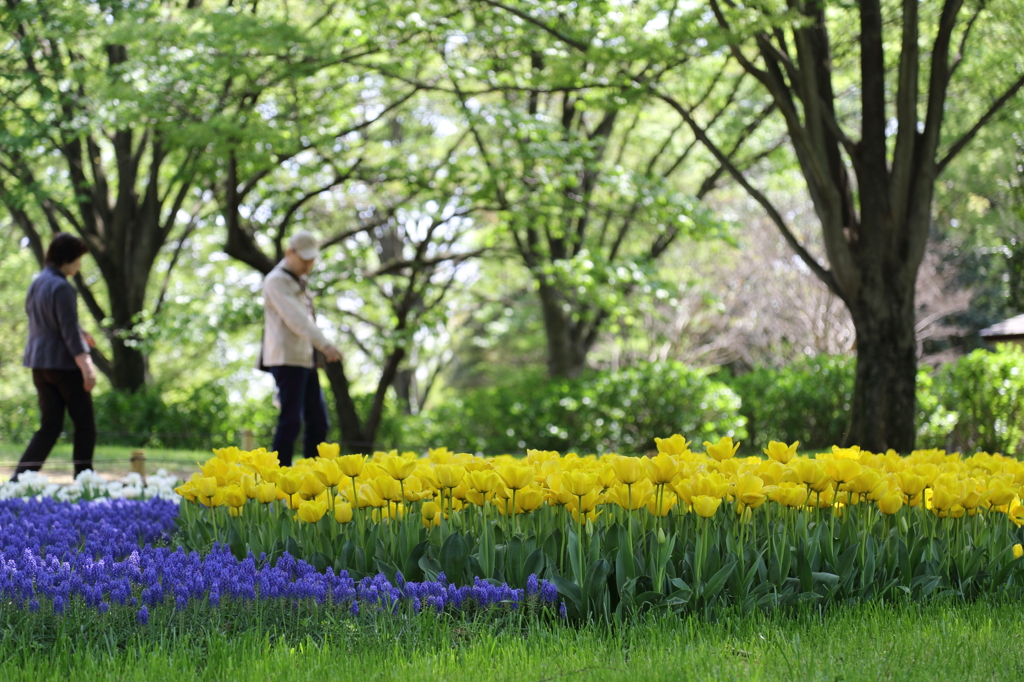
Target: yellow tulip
{"x":790,"y":495}
{"x":910,"y":482}
{"x":312,"y":511}
{"x":976,"y":495}
{"x":1016,"y":515}
{"x":516,"y":477}
{"x":342,"y":510}
{"x":449,"y":476}
{"x":628,"y":470}
{"x":944,"y":497}
{"x":217,"y":499}
{"x":586,"y":503}
{"x":328,"y":450}
{"x":387,"y":488}
{"x":706,"y":506}
{"x":842,"y":470}
{"x":667,"y":502}
{"x":710,"y":485}
{"x":529,"y":500}
{"x":328,"y":471}
{"x":1018,"y":551}
{"x":585,"y":518}
{"x":722,"y":450}
{"x":579,"y":482}
{"x":290,"y":482}
{"x":398,"y":468}
{"x":261,"y":461}
{"x":890,"y":503}
{"x":485,"y":481}
{"x":234,"y":496}
{"x":208,"y":486}
{"x":662,"y":469}
{"x":311,"y":487}
{"x":415,"y":490}
{"x":248,"y":484}
{"x":865,"y":482}
{"x":266,"y":493}
{"x":558,"y":494}
{"x":634,"y":499}
{"x":352,"y":465}
{"x":675,"y":446}
{"x":606,"y":477}
{"x":215,"y":468}
{"x":812,"y":474}
{"x":1001,"y":491}
{"x":229,"y":454}
{"x":504,"y":504}
{"x":751,"y":491}
{"x":368,"y":497}
{"x":187,"y":490}
{"x":780,"y":452}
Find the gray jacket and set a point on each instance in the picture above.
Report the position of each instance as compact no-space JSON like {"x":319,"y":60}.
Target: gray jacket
{"x":54,"y":337}
{"x":289,"y":326}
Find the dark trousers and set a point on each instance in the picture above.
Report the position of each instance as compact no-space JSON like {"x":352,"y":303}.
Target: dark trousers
{"x":59,"y":389}
{"x":301,"y":401}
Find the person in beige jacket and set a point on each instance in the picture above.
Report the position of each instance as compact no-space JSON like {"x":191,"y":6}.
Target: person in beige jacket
{"x":290,"y":341}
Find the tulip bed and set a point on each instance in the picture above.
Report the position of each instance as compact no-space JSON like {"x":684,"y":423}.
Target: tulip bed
{"x":681,"y":532}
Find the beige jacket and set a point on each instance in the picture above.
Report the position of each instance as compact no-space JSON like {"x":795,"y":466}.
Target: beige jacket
{"x":289,"y":327}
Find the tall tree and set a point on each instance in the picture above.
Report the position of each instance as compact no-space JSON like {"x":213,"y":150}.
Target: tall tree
{"x":113,"y":114}
{"x":366,"y":167}
{"x":827,"y":67}
{"x":592,"y":182}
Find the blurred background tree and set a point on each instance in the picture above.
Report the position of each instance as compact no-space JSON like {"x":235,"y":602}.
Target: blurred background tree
{"x":514,"y":225}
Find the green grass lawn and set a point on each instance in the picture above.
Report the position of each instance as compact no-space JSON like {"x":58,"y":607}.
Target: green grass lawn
{"x":112,"y":459}
{"x":981,"y":641}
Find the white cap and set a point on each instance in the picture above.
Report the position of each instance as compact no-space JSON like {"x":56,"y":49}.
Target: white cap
{"x":304,"y":244}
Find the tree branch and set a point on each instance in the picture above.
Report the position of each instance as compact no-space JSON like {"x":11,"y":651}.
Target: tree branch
{"x":966,"y":138}
{"x":581,"y":46}
{"x":824,"y":275}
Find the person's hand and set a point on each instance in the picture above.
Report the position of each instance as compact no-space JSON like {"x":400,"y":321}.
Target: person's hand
{"x":88,"y":371}
{"x":90,"y":380}
{"x":89,"y":341}
{"x":332,"y":354}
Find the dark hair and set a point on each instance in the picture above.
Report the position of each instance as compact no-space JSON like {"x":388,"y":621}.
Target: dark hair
{"x":65,"y":248}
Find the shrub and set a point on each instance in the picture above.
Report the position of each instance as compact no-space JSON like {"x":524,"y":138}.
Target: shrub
{"x":600,"y":411}
{"x":808,"y":401}
{"x":984,"y":394}
{"x":193,"y":420}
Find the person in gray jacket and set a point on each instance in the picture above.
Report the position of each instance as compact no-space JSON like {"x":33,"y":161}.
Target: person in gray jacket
{"x":58,"y":354}
{"x":291,"y":340}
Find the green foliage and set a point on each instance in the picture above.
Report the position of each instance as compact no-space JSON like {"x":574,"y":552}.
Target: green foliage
{"x":627,"y":563}
{"x":808,"y":401}
{"x":984,"y":392}
{"x":598,"y":412}
{"x":149,"y":417}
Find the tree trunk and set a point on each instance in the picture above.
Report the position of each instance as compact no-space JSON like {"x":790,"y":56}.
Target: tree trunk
{"x":128,"y":368}
{"x":353,"y":439}
{"x":403,"y":388}
{"x":376,"y":415}
{"x":567,"y":357}
{"x":884,"y":405}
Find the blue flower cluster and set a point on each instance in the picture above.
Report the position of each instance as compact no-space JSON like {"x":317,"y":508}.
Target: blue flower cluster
{"x":103,"y":553}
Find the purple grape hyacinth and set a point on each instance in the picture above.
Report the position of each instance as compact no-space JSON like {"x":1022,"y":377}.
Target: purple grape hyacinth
{"x":114,"y":552}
